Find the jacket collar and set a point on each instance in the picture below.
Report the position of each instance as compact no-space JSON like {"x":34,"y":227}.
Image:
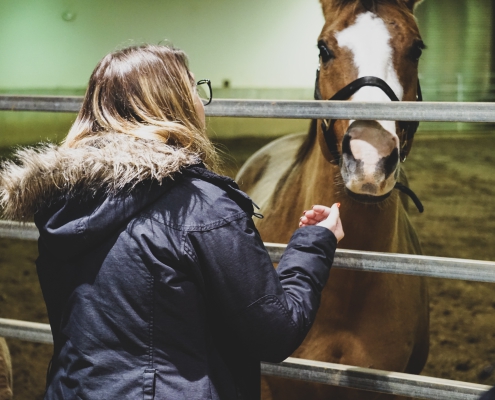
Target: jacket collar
{"x":110,"y":162}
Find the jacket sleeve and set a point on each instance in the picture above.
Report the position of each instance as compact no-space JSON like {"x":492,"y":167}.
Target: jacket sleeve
{"x":269,"y":310}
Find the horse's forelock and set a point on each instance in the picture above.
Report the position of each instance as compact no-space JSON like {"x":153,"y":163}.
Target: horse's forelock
{"x":368,"y":5}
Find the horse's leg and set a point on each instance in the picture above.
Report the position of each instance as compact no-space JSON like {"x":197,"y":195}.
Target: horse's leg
{"x":5,"y":372}
{"x":281,"y":388}
{"x":266,"y":393}
{"x":420,"y":352}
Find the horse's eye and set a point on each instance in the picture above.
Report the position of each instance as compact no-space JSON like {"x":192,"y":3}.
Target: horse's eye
{"x":417,"y":50}
{"x":325,"y":53}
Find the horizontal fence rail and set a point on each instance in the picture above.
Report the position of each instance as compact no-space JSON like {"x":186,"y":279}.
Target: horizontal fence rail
{"x":25,"y":330}
{"x":394,"y":111}
{"x":434,"y":267}
{"x":41,"y":103}
{"x":407,"y":264}
{"x":18,"y":230}
{"x":420,"y":387}
{"x":396,"y":383}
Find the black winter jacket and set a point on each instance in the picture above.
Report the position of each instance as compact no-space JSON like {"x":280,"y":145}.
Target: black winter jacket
{"x":161,"y":288}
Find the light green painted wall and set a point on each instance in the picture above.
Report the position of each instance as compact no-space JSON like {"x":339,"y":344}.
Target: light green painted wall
{"x":254,"y":44}
{"x":22,"y":128}
{"x":456,"y":66}
{"x":265,"y":48}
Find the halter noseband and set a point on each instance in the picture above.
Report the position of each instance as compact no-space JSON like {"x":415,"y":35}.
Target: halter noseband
{"x":407,"y":128}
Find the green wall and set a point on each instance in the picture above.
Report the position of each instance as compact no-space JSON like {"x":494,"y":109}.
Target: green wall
{"x":254,"y":44}
{"x":265,"y":49}
{"x":457,"y":64}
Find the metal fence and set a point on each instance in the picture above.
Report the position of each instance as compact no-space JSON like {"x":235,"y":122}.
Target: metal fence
{"x":307,"y":370}
{"x":394,"y":111}
{"x":408,"y":264}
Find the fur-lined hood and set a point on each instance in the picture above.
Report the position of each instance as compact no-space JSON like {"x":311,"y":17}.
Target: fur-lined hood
{"x":112,"y":162}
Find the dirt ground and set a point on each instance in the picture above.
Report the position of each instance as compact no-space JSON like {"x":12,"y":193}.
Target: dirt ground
{"x":453,"y":174}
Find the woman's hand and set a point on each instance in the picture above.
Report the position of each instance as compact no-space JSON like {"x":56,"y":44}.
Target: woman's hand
{"x":328,"y":217}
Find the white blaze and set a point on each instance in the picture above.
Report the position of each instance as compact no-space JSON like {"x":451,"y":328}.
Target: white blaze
{"x":369,"y":41}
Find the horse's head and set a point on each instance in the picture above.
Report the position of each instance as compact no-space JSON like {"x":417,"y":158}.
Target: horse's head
{"x":368,"y":38}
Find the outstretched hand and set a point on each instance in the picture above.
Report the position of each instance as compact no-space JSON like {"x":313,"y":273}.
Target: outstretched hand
{"x":328,"y":217}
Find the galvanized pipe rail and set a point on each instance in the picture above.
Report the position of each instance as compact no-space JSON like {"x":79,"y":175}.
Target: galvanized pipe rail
{"x":394,"y":111}
{"x":396,"y":383}
{"x":18,"y":230}
{"x":408,"y":264}
{"x":420,"y":387}
{"x":26,"y":330}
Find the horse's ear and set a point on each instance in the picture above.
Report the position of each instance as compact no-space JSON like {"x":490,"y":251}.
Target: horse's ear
{"x":411,"y":4}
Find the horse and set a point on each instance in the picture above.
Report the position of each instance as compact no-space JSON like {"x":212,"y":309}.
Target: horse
{"x":5,"y":372}
{"x":369,"y":51}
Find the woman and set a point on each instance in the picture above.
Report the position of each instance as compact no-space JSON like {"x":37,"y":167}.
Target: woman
{"x":156,"y":281}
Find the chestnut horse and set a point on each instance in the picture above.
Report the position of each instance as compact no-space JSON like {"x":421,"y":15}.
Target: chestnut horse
{"x":5,"y":372}
{"x":365,"y":319}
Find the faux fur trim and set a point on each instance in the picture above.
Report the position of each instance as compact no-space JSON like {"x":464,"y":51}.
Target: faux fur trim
{"x":111,"y":162}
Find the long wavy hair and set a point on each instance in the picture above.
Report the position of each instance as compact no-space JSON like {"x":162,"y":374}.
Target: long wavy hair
{"x":146,"y":92}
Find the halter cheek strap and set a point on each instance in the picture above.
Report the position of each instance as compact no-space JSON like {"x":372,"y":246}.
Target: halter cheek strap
{"x":407,"y":128}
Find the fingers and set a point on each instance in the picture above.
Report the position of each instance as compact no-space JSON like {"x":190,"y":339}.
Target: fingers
{"x":323,"y":211}
{"x":311,"y":218}
{"x":317,"y":214}
{"x":312,"y":215}
{"x":327,"y":217}
{"x":308,"y":219}
{"x":303,"y":221}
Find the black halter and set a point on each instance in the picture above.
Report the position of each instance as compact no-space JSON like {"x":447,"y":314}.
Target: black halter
{"x":407,"y":128}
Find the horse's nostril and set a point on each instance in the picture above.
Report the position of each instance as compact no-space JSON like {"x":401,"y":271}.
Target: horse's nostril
{"x":346,"y":145}
{"x":390,"y":162}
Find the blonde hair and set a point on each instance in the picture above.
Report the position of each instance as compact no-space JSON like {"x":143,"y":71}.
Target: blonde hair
{"x":146,"y":92}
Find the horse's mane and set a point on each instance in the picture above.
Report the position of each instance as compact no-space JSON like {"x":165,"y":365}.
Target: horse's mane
{"x":307,"y":144}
